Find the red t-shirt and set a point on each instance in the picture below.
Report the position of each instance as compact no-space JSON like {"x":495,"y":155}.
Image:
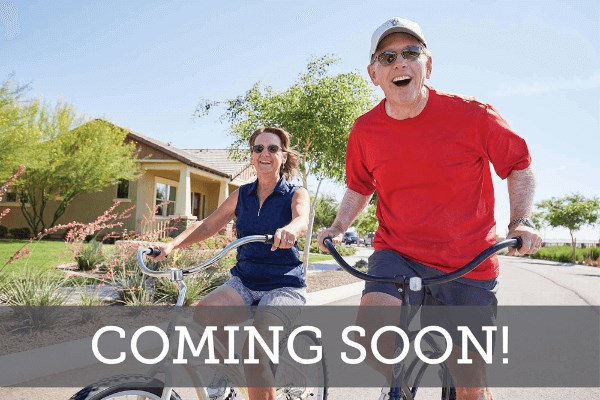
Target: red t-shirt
{"x":432,"y":178}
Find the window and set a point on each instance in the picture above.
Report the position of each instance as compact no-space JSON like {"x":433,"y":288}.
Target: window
{"x":9,"y":197}
{"x":123,"y":189}
{"x":166,"y":196}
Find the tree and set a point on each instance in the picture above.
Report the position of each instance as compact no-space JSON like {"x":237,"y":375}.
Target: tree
{"x":367,"y":220}
{"x":13,"y":120}
{"x":66,"y":157}
{"x":325,"y":210}
{"x":572,"y":212}
{"x":318,"y":110}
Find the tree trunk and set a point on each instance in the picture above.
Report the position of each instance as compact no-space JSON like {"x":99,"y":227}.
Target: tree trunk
{"x":311,"y":221}
{"x":574,"y":246}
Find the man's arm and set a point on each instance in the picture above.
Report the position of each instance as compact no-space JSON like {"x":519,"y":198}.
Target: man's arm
{"x":352,"y":204}
{"x":521,"y":188}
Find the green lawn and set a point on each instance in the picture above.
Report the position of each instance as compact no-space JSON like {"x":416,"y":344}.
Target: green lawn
{"x":45,"y":255}
{"x":315,"y":258}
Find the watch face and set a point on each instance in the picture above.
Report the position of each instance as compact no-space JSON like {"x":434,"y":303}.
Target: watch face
{"x":528,"y":222}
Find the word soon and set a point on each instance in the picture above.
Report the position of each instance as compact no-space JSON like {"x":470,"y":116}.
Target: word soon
{"x":272,"y":351}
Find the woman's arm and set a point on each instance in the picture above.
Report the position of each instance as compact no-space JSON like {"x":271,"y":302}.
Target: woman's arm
{"x":286,"y":236}
{"x":204,"y":229}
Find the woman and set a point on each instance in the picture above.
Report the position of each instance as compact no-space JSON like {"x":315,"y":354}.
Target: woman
{"x":264,"y":275}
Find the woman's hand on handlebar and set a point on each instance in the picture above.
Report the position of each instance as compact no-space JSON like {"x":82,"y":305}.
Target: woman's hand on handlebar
{"x":165,"y":250}
{"x":334,"y":233}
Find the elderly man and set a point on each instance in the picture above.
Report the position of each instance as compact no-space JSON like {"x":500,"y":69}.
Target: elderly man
{"x":427,"y":155}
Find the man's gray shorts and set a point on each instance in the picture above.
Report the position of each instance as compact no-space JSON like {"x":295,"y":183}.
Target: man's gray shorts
{"x":461,"y":292}
{"x":281,"y":302}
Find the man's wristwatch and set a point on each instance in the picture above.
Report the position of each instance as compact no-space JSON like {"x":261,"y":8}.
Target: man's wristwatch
{"x":521,"y":221}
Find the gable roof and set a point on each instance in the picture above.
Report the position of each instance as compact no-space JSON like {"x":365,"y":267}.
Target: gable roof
{"x":220,"y":160}
{"x":215,"y":161}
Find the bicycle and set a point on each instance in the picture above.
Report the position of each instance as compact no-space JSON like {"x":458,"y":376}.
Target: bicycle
{"x":398,"y":389}
{"x":149,"y":386}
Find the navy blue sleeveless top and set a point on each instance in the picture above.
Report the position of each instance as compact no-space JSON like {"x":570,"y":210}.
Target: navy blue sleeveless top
{"x":257,"y":266}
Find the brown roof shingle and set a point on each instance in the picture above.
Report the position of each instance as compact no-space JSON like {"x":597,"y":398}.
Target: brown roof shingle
{"x":216,"y":161}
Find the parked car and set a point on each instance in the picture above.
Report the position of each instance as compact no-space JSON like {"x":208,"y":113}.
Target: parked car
{"x":368,"y":240}
{"x":350,"y":238}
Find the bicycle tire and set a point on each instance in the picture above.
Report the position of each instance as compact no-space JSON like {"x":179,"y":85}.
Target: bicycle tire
{"x":319,"y":371}
{"x":124,"y":387}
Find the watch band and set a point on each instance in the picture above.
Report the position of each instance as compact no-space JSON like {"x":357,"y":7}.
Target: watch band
{"x":522,"y":221}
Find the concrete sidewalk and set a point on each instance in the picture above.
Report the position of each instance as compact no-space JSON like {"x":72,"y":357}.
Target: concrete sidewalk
{"x":326,"y":296}
{"x":333,"y":294}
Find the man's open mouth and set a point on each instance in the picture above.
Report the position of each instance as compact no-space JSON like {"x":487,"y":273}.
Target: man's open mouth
{"x":401,"y":80}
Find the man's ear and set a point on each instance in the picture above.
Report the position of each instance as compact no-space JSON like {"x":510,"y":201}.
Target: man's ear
{"x":428,"y":66}
{"x":372,"y":75}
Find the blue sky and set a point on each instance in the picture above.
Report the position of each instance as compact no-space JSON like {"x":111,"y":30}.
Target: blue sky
{"x":146,"y":64}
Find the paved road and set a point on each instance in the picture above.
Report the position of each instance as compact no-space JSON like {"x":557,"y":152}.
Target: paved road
{"x":523,"y":282}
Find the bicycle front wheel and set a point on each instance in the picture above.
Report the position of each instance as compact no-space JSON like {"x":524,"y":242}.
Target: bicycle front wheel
{"x":307,"y":381}
{"x":124,"y":387}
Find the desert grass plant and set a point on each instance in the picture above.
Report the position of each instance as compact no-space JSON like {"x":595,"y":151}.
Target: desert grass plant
{"x":37,"y":289}
{"x":197,"y":287}
{"x":89,"y":295}
{"x":89,"y":256}
{"x":133,"y":289}
{"x":34,"y":298}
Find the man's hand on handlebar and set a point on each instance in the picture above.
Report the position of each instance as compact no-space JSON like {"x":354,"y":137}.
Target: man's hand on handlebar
{"x":331,"y":232}
{"x":530,"y":238}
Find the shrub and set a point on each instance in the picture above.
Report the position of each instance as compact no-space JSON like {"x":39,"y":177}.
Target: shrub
{"x":314,"y":248}
{"x":3,"y":231}
{"x":89,"y":256}
{"x":362,"y":265}
{"x":565,"y":254}
{"x":133,"y":288}
{"x":33,"y":294}
{"x":197,"y":286}
{"x":20,"y":233}
{"x":87,"y":297}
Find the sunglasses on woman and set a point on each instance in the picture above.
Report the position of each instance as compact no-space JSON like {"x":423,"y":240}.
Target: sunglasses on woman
{"x":272,"y":148}
{"x":409,"y":53}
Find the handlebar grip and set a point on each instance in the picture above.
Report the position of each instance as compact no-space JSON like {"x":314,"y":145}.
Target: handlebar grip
{"x":519,"y":242}
{"x":154,"y":252}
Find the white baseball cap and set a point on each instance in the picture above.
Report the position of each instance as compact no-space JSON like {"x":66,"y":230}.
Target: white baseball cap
{"x":394,"y":25}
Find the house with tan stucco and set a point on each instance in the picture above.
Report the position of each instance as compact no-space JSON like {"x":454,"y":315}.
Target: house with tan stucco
{"x":175,"y":184}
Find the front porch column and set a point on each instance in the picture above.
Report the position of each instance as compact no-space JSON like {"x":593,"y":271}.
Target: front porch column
{"x":223,"y":191}
{"x":183,"y":204}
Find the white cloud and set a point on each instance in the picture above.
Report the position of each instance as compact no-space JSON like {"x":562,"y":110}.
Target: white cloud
{"x":548,"y":85}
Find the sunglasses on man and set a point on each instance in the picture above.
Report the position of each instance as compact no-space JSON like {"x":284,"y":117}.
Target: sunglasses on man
{"x":409,"y":53}
{"x":272,"y":148}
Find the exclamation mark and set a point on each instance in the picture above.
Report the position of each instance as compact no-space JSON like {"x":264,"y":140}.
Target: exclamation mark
{"x":505,"y":344}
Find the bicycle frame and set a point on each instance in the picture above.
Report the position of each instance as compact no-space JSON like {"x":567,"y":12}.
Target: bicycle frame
{"x":176,"y":275}
{"x":417,"y":284}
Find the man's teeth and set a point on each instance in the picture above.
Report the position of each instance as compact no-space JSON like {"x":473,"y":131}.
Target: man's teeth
{"x":401,"y":78}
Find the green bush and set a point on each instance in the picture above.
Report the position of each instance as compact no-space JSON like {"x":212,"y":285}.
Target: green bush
{"x":314,"y":248}
{"x":89,"y":256}
{"x":20,"y":233}
{"x":33,"y":294}
{"x":3,"y":231}
{"x":197,"y":286}
{"x":565,"y":254}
